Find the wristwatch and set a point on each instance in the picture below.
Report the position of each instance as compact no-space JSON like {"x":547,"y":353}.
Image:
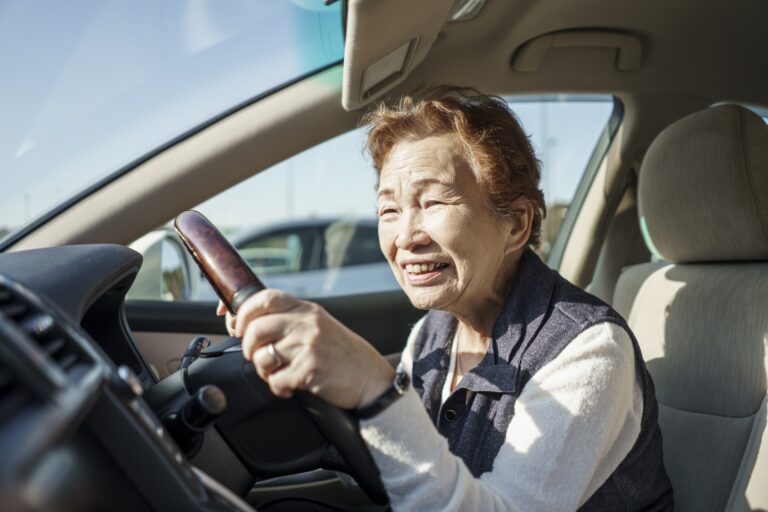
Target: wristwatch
{"x":398,"y":388}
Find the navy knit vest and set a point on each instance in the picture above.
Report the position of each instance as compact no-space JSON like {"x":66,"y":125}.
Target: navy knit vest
{"x":542,"y":314}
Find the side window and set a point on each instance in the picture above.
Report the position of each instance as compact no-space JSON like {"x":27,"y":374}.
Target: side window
{"x":283,"y":252}
{"x":166,"y":273}
{"x":307,"y":225}
{"x":364,"y":248}
{"x":349,"y":243}
{"x":761,"y":111}
{"x":175,"y":273}
{"x":565,"y":131}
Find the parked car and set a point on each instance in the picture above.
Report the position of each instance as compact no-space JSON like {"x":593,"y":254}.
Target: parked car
{"x":317,"y":258}
{"x":311,"y":258}
{"x":118,"y":116}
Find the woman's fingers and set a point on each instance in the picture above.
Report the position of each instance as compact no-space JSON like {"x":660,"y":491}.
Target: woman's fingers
{"x":296,"y":344}
{"x":276,"y":356}
{"x":285,"y":381}
{"x":265,"y":302}
{"x":265,"y":329}
{"x":229,"y":320}
{"x":267,"y":359}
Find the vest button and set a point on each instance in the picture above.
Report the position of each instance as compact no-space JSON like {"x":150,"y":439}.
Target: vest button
{"x":450,"y":415}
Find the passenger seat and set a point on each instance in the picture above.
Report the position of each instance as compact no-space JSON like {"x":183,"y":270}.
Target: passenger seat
{"x":701,"y":314}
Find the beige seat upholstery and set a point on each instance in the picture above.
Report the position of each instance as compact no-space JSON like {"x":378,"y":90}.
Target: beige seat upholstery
{"x":623,"y":246}
{"x":701,"y":314}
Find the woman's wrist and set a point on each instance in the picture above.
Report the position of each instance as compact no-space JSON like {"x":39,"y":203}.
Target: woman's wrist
{"x":399,"y":386}
{"x":378,"y":382}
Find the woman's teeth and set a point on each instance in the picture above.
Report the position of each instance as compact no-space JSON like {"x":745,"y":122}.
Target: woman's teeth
{"x":420,"y":268}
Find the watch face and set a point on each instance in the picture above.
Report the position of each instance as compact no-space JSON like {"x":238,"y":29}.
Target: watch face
{"x":401,"y":382}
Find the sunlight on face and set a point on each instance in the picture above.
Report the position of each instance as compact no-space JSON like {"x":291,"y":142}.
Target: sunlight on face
{"x":447,"y":248}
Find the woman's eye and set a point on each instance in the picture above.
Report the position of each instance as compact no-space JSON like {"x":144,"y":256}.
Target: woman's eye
{"x":432,"y":202}
{"x":386,"y":211}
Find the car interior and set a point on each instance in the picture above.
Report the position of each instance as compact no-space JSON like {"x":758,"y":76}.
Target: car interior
{"x":668,"y":224}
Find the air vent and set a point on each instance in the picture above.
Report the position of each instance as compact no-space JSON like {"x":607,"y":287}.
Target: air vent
{"x":13,"y":394}
{"x":54,"y":341}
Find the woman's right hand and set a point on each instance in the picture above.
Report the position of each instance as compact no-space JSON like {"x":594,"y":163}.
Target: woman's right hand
{"x":221,"y":310}
{"x":297,"y":345}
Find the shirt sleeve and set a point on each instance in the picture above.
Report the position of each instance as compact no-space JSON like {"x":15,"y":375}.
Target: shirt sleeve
{"x":575,"y":421}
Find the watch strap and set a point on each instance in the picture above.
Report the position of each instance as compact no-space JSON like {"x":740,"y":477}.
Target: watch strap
{"x":398,"y":388}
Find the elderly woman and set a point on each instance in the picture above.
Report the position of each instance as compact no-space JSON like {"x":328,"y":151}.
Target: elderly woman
{"x":527,"y":393}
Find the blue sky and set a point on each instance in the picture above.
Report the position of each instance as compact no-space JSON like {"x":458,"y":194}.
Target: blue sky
{"x":91,"y":85}
{"x":94,"y":84}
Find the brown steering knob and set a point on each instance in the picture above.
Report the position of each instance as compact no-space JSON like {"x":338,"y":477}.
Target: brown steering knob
{"x":231,"y":277}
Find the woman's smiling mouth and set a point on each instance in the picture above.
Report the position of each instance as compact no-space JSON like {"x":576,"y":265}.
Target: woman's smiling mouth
{"x":422,"y":272}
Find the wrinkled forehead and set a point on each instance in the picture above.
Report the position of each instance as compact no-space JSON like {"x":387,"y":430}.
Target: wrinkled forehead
{"x":436,"y":159}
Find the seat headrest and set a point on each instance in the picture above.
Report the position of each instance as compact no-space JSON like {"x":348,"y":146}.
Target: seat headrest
{"x":703,"y":188}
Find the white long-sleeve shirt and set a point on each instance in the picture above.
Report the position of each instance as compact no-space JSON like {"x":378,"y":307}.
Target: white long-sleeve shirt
{"x":575,"y":421}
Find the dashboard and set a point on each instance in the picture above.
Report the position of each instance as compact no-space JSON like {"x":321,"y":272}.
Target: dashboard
{"x":75,"y":430}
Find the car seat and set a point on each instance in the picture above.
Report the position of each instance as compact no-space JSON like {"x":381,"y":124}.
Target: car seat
{"x":701,"y":313}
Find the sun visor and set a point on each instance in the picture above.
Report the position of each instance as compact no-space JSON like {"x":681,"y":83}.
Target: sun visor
{"x":385,"y":40}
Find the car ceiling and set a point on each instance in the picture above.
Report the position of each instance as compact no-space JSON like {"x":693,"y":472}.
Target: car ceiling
{"x":714,"y":50}
{"x":693,"y":54}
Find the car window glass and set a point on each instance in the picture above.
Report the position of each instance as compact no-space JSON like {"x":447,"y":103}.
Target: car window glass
{"x":279,"y":253}
{"x":364,"y":248}
{"x":564,"y":131}
{"x":329,"y":190}
{"x":167,"y":272}
{"x":349,"y":243}
{"x":174,"y":280}
{"x":92,"y":88}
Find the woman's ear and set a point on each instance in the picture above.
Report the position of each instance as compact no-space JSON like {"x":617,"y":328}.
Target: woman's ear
{"x":521,"y":223}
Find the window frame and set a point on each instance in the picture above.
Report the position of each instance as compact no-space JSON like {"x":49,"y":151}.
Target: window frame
{"x":599,"y":152}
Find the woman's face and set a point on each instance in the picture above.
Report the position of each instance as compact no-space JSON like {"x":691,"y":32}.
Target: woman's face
{"x":447,"y":248}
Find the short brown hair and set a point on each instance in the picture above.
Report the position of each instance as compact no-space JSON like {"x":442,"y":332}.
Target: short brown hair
{"x":494,"y":143}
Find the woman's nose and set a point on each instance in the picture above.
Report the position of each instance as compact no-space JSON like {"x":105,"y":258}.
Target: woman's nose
{"x":410,"y":233}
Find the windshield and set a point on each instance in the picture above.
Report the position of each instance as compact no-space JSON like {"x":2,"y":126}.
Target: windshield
{"x":91,"y":87}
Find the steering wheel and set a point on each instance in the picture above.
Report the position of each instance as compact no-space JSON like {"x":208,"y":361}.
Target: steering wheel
{"x":234,"y":281}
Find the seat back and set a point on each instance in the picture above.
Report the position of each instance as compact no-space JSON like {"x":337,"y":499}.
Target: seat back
{"x":623,"y":246}
{"x":700,"y":313}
